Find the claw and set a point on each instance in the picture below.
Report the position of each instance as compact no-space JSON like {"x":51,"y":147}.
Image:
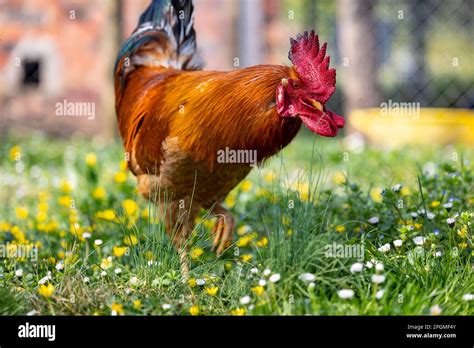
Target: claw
{"x":223,"y":230}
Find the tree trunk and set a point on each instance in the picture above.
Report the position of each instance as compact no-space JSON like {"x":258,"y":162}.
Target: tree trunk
{"x":356,"y":35}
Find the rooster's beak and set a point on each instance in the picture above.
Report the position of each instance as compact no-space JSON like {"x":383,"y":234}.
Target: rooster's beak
{"x":317,"y":105}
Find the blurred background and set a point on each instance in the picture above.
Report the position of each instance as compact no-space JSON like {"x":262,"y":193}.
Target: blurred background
{"x":385,"y":50}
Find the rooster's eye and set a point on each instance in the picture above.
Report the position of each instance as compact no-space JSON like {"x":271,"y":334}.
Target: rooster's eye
{"x":296,"y":85}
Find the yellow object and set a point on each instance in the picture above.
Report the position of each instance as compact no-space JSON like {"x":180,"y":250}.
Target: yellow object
{"x":398,"y":127}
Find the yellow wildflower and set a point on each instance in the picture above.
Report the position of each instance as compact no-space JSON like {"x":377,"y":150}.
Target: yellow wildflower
{"x":269,"y":177}
{"x":289,"y":232}
{"x":339,"y":178}
{"x":107,"y":214}
{"x":230,"y":201}
{"x":462,"y":232}
{"x":123,"y":165}
{"x":243,"y":241}
{"x":117,"y":309}
{"x":212,"y":291}
{"x":405,"y":191}
{"x":41,"y":216}
{"x":46,"y":290}
{"x":462,"y":245}
{"x":262,"y":242}
{"x":91,"y":159}
{"x":64,"y":201}
{"x":258,"y":290}
{"x":130,"y":240}
{"x":196,"y":253}
{"x":192,"y":282}
{"x":130,"y":207}
{"x":137,"y":304}
{"x":65,"y":186}
{"x":99,"y":193}
{"x":340,"y":229}
{"x":246,"y":185}
{"x":243,"y":230}
{"x":21,"y":213}
{"x":376,"y":194}
{"x":285,"y":220}
{"x":194,"y":310}
{"x":119,"y":251}
{"x":120,"y":177}
{"x":434,"y":204}
{"x":106,"y":263}
{"x":15,"y":153}
{"x":43,"y":196}
{"x":238,"y":312}
{"x":246,"y":257}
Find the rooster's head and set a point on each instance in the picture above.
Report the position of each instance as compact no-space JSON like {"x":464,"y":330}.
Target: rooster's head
{"x":305,"y":93}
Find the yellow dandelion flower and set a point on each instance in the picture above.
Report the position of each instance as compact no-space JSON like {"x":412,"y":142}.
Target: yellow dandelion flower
{"x":246,"y":185}
{"x":106,"y":263}
{"x":21,"y":213}
{"x":4,"y":226}
{"x":42,"y":206}
{"x":99,"y":193}
{"x":64,"y":201}
{"x":339,"y":178}
{"x":91,"y":159}
{"x":119,"y":251}
{"x":41,"y":216}
{"x":46,"y":290}
{"x":376,"y":194}
{"x":258,"y":290}
{"x":405,"y":191}
{"x":194,"y":310}
{"x":243,"y":241}
{"x":246,"y":257}
{"x":228,"y":266}
{"x":130,"y":207}
{"x":285,"y":220}
{"x":357,"y":229}
{"x":462,"y":232}
{"x":65,"y":186}
{"x":107,"y":214}
{"x":289,"y":232}
{"x":462,"y":245}
{"x":123,"y":165}
{"x":212,"y":291}
{"x":192,"y":282}
{"x":262,"y":242}
{"x":130,"y":240}
{"x":434,"y":204}
{"x":196,"y":253}
{"x":417,"y":226}
{"x":117,"y":309}
{"x":230,"y":201}
{"x":269,"y":177}
{"x":15,"y":153}
{"x":243,"y":230}
{"x":340,"y":229}
{"x":137,"y":304}
{"x":120,"y":177}
{"x":238,"y":312}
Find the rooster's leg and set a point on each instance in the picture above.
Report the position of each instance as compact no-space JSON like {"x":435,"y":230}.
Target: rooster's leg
{"x":178,"y":215}
{"x":223,"y":231}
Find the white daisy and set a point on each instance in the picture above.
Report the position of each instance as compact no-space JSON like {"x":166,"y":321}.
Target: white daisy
{"x":200,"y":281}
{"x":19,"y":273}
{"x":274,"y":277}
{"x":419,"y":240}
{"x":379,"y":294}
{"x":379,"y":267}
{"x":166,"y":306}
{"x":378,"y":278}
{"x":435,"y":310}
{"x":118,"y":271}
{"x":345,"y":293}
{"x":134,"y":281}
{"x":384,"y":248}
{"x":98,"y":242}
{"x":356,"y":267}
{"x":397,"y":243}
{"x":373,"y":220}
{"x":245,"y":300}
{"x":468,"y":297}
{"x":267,"y":272}
{"x":307,"y":277}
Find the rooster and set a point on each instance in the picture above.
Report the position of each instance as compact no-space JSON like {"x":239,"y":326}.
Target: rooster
{"x":174,"y":118}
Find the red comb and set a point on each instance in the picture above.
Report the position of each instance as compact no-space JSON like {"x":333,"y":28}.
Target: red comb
{"x":312,"y":66}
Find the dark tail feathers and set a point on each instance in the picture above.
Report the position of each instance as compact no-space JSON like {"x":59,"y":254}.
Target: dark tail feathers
{"x":164,"y":36}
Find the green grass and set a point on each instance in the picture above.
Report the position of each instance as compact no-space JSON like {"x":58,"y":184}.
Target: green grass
{"x":314,"y":195}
